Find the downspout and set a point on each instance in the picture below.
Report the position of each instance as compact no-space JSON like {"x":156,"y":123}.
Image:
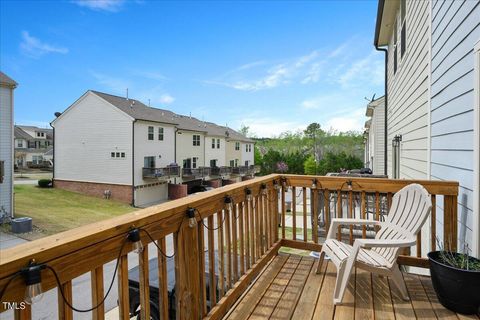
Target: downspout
{"x":175,"y":152}
{"x":133,"y":162}
{"x":385,"y":157}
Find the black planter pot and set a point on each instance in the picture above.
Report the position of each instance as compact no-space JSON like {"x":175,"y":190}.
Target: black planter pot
{"x":456,"y":289}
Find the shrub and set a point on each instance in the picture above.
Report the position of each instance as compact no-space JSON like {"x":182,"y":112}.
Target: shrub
{"x":45,"y":183}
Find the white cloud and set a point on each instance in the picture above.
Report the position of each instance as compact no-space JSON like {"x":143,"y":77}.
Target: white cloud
{"x":117,"y":85}
{"x":101,"y":5}
{"x":366,"y":70}
{"x":348,"y":122}
{"x":166,"y":98}
{"x":36,"y":48}
{"x":267,"y":127}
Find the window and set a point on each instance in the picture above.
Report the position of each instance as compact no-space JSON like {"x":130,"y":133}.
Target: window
{"x":218,"y":143}
{"x":117,"y":155}
{"x":232,"y":163}
{"x":2,"y":171}
{"x":213,"y":163}
{"x":403,"y":22}
{"x":149,"y":162}
{"x":194,"y":162}
{"x":150,"y":133}
{"x":187,"y":163}
{"x":160,"y":134}
{"x":236,"y":162}
{"x":19,"y":143}
{"x":196,"y":140}
{"x":246,"y":148}
{"x":213,"y":143}
{"x":37,"y":159}
{"x":246,"y":163}
{"x":237,"y":145}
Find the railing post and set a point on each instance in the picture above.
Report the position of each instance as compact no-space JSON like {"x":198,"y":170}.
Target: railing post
{"x":450,"y":222}
{"x":187,"y":273}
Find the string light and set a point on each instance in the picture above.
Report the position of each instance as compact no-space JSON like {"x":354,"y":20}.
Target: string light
{"x":33,"y":280}
{"x":134,"y":236}
{"x":228,"y":201}
{"x":248,"y":193}
{"x":192,"y":222}
{"x":314,"y":184}
{"x":263,"y":188}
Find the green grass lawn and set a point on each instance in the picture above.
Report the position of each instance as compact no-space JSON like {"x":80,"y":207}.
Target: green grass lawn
{"x":55,"y":210}
{"x":289,"y":235}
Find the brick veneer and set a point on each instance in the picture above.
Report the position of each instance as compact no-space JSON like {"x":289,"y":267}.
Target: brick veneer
{"x":177,"y":191}
{"x":226,"y":182}
{"x":121,"y":193}
{"x":245,"y":178}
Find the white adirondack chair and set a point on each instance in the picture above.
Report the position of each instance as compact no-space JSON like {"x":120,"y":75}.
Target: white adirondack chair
{"x":410,"y":208}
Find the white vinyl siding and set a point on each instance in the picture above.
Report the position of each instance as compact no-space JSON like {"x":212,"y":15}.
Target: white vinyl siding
{"x":217,"y":153}
{"x":6,"y":150}
{"x":408,"y":94}
{"x":456,"y":29}
{"x":85,"y":136}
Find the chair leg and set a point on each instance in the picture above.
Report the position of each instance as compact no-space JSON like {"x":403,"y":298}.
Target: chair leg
{"x":343,"y":276}
{"x":320,"y":261}
{"x":397,"y":278}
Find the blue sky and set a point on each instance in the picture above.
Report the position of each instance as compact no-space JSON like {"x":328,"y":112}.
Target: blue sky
{"x":273,"y":66}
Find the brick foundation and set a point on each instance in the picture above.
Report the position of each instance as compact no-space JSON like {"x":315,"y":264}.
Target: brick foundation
{"x":217,"y":183}
{"x":245,"y":178}
{"x":121,"y":193}
{"x":226,"y":182}
{"x":177,"y":191}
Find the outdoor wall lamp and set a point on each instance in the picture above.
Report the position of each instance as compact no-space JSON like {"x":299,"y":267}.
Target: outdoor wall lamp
{"x":248,"y":193}
{"x":192,"y":222}
{"x":134,"y":236}
{"x":263,"y":188}
{"x":228,"y":201}
{"x":33,"y":281}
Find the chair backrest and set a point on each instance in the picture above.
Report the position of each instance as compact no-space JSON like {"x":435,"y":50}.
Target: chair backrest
{"x":410,"y":208}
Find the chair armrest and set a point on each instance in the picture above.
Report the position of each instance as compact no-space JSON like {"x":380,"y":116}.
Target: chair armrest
{"x":342,"y":221}
{"x":385,"y":243}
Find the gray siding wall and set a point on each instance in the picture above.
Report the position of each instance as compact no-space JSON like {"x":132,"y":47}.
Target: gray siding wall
{"x":455,"y":30}
{"x":378,"y":121}
{"x":6,"y":151}
{"x":408,"y":94}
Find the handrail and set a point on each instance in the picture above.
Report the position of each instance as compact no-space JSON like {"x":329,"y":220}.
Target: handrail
{"x":245,"y":237}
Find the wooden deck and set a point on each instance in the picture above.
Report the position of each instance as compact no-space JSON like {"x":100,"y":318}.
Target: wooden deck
{"x":289,"y":288}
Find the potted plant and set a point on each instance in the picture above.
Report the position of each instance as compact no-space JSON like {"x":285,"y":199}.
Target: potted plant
{"x":456,"y":280}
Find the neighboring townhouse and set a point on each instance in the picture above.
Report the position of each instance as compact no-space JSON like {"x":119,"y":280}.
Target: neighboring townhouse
{"x":432,"y":99}
{"x":7,"y":86}
{"x":33,"y":147}
{"x":112,"y":146}
{"x":375,"y":136}
{"x":240,"y":150}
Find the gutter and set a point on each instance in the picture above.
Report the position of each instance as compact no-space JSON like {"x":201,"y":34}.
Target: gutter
{"x":133,"y":162}
{"x":381,"y":4}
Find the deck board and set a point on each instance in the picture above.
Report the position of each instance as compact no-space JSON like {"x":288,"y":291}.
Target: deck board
{"x":289,"y":288}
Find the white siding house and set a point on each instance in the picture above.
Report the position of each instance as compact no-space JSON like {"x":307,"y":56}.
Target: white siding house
{"x":116,"y":147}
{"x":7,"y":86}
{"x":433,"y":100}
{"x":375,"y":130}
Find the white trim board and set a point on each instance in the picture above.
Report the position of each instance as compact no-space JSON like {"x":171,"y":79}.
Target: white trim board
{"x":476,"y":168}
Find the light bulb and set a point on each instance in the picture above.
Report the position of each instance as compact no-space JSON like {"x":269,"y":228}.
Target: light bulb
{"x":33,"y":293}
{"x":134,"y":236}
{"x":314,"y":184}
{"x":33,"y":280}
{"x":192,"y":222}
{"x":349,"y":184}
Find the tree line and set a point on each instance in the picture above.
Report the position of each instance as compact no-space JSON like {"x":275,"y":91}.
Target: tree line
{"x":311,"y":151}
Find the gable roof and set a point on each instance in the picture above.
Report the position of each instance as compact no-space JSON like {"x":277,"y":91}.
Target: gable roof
{"x":385,"y":21}
{"x":6,"y":80}
{"x":20,"y":133}
{"x":139,"y":111}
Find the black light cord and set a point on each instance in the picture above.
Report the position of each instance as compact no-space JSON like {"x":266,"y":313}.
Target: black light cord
{"x":208,"y":228}
{"x":60,"y":287}
{"x":13,"y":277}
{"x":156,"y":245}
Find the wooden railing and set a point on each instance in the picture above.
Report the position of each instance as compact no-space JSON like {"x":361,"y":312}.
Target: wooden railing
{"x":229,"y":244}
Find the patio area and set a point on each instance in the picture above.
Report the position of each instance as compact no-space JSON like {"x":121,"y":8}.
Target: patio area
{"x":289,"y":288}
